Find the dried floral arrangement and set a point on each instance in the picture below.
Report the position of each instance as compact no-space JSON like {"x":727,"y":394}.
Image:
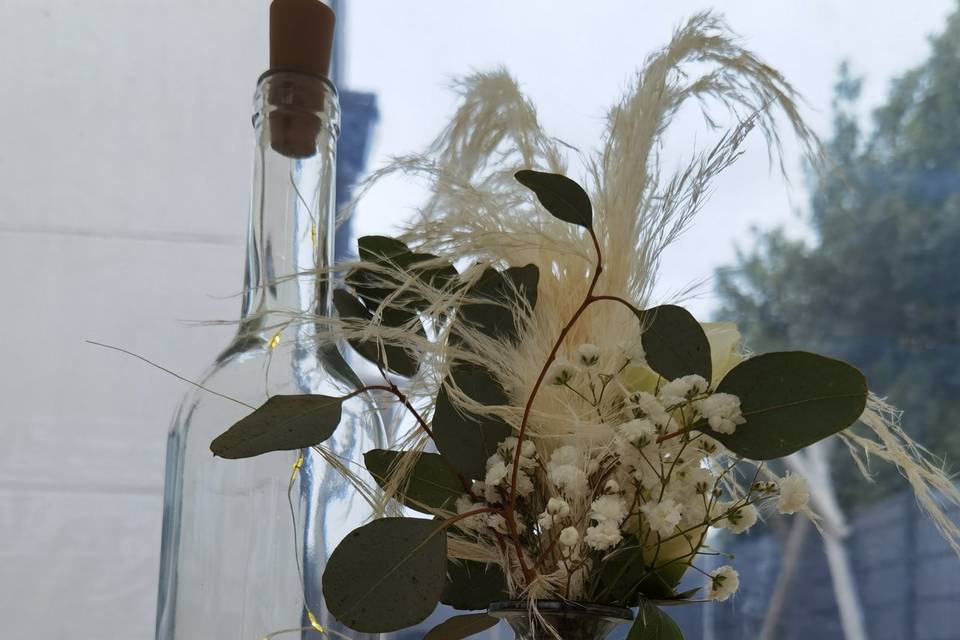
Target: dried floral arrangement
{"x":573,"y":443}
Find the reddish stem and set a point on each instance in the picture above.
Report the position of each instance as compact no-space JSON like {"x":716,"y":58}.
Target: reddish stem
{"x":511,"y":505}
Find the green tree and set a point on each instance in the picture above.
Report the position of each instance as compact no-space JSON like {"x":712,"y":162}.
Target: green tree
{"x":879,"y":285}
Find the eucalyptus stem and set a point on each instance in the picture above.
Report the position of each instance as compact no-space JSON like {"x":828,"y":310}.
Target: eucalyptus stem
{"x":511,"y":505}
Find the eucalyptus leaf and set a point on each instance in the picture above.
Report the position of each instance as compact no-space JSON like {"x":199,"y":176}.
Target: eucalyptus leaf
{"x":282,"y":423}
{"x":499,"y":293}
{"x":559,"y":195}
{"x":625,"y":575}
{"x":392,"y":357}
{"x":459,"y":627}
{"x":790,"y":400}
{"x":387,"y":575}
{"x":675,"y":343}
{"x":374,"y":288}
{"x":653,"y":624}
{"x":474,"y":585}
{"x":465,"y":439}
{"x":432,"y":482}
{"x":380,"y":248}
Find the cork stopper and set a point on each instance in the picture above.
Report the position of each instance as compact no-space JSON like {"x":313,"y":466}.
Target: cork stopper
{"x":301,"y":41}
{"x":301,"y":36}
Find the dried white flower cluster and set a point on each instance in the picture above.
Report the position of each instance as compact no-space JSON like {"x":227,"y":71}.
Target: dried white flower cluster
{"x":651,"y":477}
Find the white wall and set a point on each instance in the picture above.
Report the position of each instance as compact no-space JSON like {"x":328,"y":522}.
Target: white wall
{"x":124,"y":177}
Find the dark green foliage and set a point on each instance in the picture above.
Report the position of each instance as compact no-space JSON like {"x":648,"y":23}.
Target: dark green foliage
{"x":878,"y":285}
{"x":432,"y":482}
{"x":459,"y":627}
{"x":391,"y":357}
{"x":674,"y":342}
{"x":282,"y":423}
{"x":387,"y":575}
{"x":494,"y":297}
{"x":790,"y":400}
{"x":465,"y":439}
{"x":474,"y":585}
{"x":625,"y":577}
{"x":559,"y":195}
{"x":653,"y":624}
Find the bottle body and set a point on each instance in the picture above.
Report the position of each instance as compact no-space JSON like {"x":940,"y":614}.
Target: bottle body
{"x":245,"y":541}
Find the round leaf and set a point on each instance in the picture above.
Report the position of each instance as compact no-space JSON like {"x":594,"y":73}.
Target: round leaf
{"x":392,"y":357}
{"x":675,"y":343}
{"x":459,"y":627}
{"x":496,"y":318}
{"x":559,"y":195}
{"x":474,"y":585}
{"x":465,"y":439}
{"x":432,"y":483}
{"x":790,"y":400}
{"x":387,"y":575}
{"x":282,"y":423}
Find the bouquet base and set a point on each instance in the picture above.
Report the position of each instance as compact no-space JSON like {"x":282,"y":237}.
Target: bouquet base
{"x":560,"y":619}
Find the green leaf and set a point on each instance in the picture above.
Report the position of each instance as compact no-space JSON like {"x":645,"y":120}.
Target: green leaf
{"x":387,"y":575}
{"x":432,"y":482}
{"x":559,"y":195}
{"x":392,"y":357}
{"x":474,"y":585}
{"x":653,"y":624}
{"x":459,"y":627}
{"x":675,"y":343}
{"x":503,"y":290}
{"x":373,"y":287}
{"x":624,"y":575}
{"x":790,"y":400}
{"x":282,"y":423}
{"x":465,"y":439}
{"x":380,"y":249}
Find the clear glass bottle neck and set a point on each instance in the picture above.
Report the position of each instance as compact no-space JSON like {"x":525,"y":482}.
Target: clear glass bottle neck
{"x":290,"y":237}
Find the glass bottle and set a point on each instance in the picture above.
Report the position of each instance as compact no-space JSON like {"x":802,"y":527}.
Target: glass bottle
{"x":245,"y":541}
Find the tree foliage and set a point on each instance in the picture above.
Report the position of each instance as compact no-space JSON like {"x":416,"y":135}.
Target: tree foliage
{"x":878,"y":285}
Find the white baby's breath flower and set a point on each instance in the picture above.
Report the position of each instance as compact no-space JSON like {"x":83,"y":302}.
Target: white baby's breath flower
{"x":558,"y":507}
{"x":571,"y":480}
{"x":739,"y":519}
{"x":634,"y":352}
{"x":567,"y":454}
{"x":569,"y":536}
{"x":524,"y":483}
{"x":681,"y":390}
{"x":561,"y":371}
{"x":545,"y":521}
{"x":603,"y":535}
{"x":588,"y":354}
{"x":794,"y":494}
{"x":664,"y":516}
{"x":608,"y":509}
{"x":565,"y":472}
{"x":528,"y":449}
{"x":692,"y":481}
{"x":496,"y":471}
{"x":724,"y":582}
{"x":639,"y":432}
{"x":722,"y":411}
{"x":612,"y":486}
{"x":465,"y":504}
{"x":648,"y":406}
